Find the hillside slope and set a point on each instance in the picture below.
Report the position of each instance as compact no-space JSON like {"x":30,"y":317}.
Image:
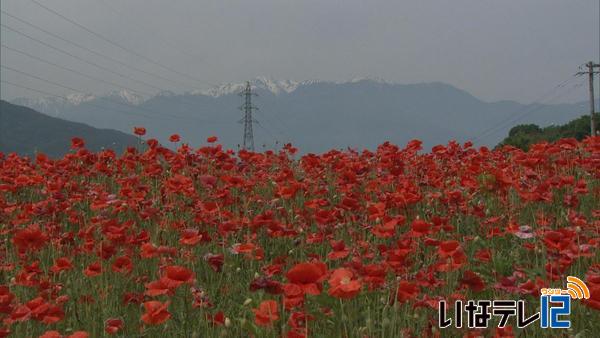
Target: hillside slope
{"x":25,"y":131}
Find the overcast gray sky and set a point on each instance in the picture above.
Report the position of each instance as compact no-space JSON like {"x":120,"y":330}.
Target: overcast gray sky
{"x":495,"y":49}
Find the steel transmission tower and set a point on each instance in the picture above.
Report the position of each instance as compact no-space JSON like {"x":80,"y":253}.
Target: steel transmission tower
{"x":247,"y":108}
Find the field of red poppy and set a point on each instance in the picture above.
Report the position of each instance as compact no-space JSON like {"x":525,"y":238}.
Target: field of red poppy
{"x":210,"y":242}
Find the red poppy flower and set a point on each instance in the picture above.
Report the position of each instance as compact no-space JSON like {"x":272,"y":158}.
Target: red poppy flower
{"x":448,"y":248}
{"x":420,"y":228}
{"x":530,"y":287}
{"x":79,"y":334}
{"x":94,"y":269}
{"x":218,"y":319}
{"x":594,"y":300}
{"x":6,"y":298}
{"x":339,"y":250}
{"x":215,"y":261}
{"x":77,"y":143}
{"x":342,"y":284}
{"x":484,"y":255}
{"x":406,"y":291}
{"x":30,"y":238}
{"x":452,"y":256}
{"x":294,"y":296}
{"x":212,"y":139}
{"x":152,"y":143}
{"x":385,"y":230}
{"x":20,"y":314}
{"x":113,"y":325}
{"x":308,"y":276}
{"x":174,"y":138}
{"x":266,"y":313}
{"x":132,"y":298}
{"x":148,"y":250}
{"x":190,"y":237}
{"x":298,"y":320}
{"x":176,"y":275}
{"x":61,"y":264}
{"x":52,"y":314}
{"x":140,"y":131}
{"x":157,"y":288}
{"x":156,"y":312}
{"x":374,"y":275}
{"x":267,"y":284}
{"x":504,"y":332}
{"x":122,"y":264}
{"x":51,"y":334}
{"x":472,"y":281}
{"x":38,"y":307}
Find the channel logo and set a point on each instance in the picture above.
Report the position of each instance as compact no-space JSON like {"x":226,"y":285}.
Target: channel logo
{"x":577,"y":288}
{"x":555,"y":308}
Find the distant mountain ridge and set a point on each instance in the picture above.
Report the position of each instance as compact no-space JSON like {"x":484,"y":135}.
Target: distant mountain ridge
{"x":26,"y":132}
{"x":316,"y":115}
{"x":130,"y":97}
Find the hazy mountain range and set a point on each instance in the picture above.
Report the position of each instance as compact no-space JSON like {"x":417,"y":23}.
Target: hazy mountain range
{"x":313,"y":115}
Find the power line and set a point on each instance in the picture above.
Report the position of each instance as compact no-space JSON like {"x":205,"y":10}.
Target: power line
{"x":102,"y":37}
{"x":281,"y":132}
{"x":91,"y":50}
{"x":531,"y":109}
{"x":100,"y":98}
{"x":111,"y":110}
{"x":84,"y":75}
{"x":520,"y":118}
{"x":267,"y":131}
{"x":184,"y":101}
{"x":524,"y":110}
{"x":276,"y":129}
{"x":145,"y":29}
{"x":70,"y":69}
{"x":78,"y":58}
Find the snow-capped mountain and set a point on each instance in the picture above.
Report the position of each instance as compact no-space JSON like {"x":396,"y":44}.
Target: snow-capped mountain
{"x":54,"y":105}
{"x":273,"y":86}
{"x":276,"y":86}
{"x":126,"y":96}
{"x":77,"y":99}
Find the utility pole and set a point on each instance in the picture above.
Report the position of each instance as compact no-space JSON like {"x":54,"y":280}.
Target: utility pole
{"x":247,"y":108}
{"x":590,"y":66}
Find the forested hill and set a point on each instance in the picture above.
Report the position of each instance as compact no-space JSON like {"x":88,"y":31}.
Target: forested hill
{"x":522,"y":136}
{"x":26,"y":132}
